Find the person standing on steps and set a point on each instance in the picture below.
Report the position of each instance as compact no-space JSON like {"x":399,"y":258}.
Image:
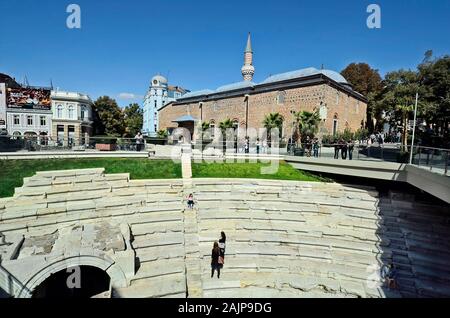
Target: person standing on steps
{"x":215,"y":255}
{"x":190,"y":201}
{"x":222,"y":241}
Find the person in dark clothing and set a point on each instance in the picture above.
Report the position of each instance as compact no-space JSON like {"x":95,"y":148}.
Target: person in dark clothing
{"x":316,"y":148}
{"x":343,"y":149}
{"x":222,"y":241}
{"x":190,"y":201}
{"x":336,"y":149}
{"x":351,"y":145}
{"x":215,"y":255}
{"x":389,"y":274}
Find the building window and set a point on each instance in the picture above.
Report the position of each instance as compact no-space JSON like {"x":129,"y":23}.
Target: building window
{"x":16,"y":120}
{"x":30,"y":120}
{"x":83,"y":112}
{"x":212,"y":127}
{"x":156,"y":128}
{"x":71,"y":112}
{"x":155,"y":104}
{"x":281,"y":97}
{"x":59,"y":111}
{"x":335,"y":126}
{"x":43,"y":121}
{"x":337,"y":98}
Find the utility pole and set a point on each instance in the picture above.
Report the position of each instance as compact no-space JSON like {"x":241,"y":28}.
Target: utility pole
{"x":414,"y":130}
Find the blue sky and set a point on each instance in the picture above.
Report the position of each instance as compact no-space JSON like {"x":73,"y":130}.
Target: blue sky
{"x":200,"y":44}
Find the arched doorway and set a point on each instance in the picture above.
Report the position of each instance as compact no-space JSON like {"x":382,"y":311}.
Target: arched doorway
{"x":79,"y":282}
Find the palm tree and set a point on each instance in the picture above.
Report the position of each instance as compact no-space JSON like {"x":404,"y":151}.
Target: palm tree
{"x":162,"y":133}
{"x":307,"y":124}
{"x":272,"y":121}
{"x":205,"y":126}
{"x":204,"y":130}
{"x":224,"y":128}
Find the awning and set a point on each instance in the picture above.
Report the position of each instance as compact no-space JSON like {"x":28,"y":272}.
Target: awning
{"x":184,"y":118}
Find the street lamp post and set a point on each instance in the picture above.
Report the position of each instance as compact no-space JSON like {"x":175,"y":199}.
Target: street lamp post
{"x":414,"y":130}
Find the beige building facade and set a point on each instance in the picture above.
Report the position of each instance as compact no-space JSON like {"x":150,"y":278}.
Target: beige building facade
{"x":72,"y":118}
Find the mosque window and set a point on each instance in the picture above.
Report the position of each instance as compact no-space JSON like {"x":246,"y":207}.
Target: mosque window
{"x":212,"y":127}
{"x":281,"y":97}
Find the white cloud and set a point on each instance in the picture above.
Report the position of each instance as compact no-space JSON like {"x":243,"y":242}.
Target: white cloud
{"x":129,"y":96}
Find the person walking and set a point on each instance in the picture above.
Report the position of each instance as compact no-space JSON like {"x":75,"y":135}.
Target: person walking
{"x":247,"y":145}
{"x":139,"y":141}
{"x":336,"y":149}
{"x":215,"y":255}
{"x":258,"y":144}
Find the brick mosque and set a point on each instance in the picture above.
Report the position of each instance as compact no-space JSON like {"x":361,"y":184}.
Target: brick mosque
{"x":247,"y":103}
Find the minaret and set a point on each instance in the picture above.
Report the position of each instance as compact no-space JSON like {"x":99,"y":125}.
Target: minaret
{"x":248,"y":69}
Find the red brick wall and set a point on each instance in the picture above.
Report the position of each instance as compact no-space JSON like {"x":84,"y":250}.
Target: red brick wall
{"x":349,"y":114}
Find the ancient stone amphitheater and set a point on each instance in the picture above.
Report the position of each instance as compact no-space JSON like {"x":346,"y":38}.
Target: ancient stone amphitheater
{"x":284,"y":239}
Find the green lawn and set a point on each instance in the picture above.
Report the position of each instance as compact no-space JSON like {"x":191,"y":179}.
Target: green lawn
{"x":251,"y":170}
{"x":12,"y":172}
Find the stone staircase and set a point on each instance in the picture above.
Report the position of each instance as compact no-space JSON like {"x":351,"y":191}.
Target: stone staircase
{"x":284,"y":238}
{"x":307,"y":240}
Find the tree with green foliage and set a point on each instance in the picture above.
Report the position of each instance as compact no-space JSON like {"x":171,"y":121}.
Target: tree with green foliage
{"x":108,"y":117}
{"x":133,"y":116}
{"x":306,"y":124}
{"x":205,"y":126}
{"x":398,"y":97}
{"x":435,"y":79}
{"x":162,"y":133}
{"x":272,"y":121}
{"x":366,"y":81}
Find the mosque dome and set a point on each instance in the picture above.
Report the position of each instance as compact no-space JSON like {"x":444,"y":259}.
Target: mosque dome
{"x":159,"y":80}
{"x":235,"y":86}
{"x":335,"y":76}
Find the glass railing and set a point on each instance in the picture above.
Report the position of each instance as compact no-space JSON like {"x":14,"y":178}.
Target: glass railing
{"x":45,"y":143}
{"x":433,"y":159}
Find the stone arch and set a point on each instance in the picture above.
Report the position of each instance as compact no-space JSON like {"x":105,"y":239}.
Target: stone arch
{"x":104,"y":263}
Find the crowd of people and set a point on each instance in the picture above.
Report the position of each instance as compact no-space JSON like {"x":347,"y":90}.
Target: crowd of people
{"x":345,"y":148}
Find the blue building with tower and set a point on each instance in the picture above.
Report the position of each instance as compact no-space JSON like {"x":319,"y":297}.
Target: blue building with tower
{"x":158,"y":95}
